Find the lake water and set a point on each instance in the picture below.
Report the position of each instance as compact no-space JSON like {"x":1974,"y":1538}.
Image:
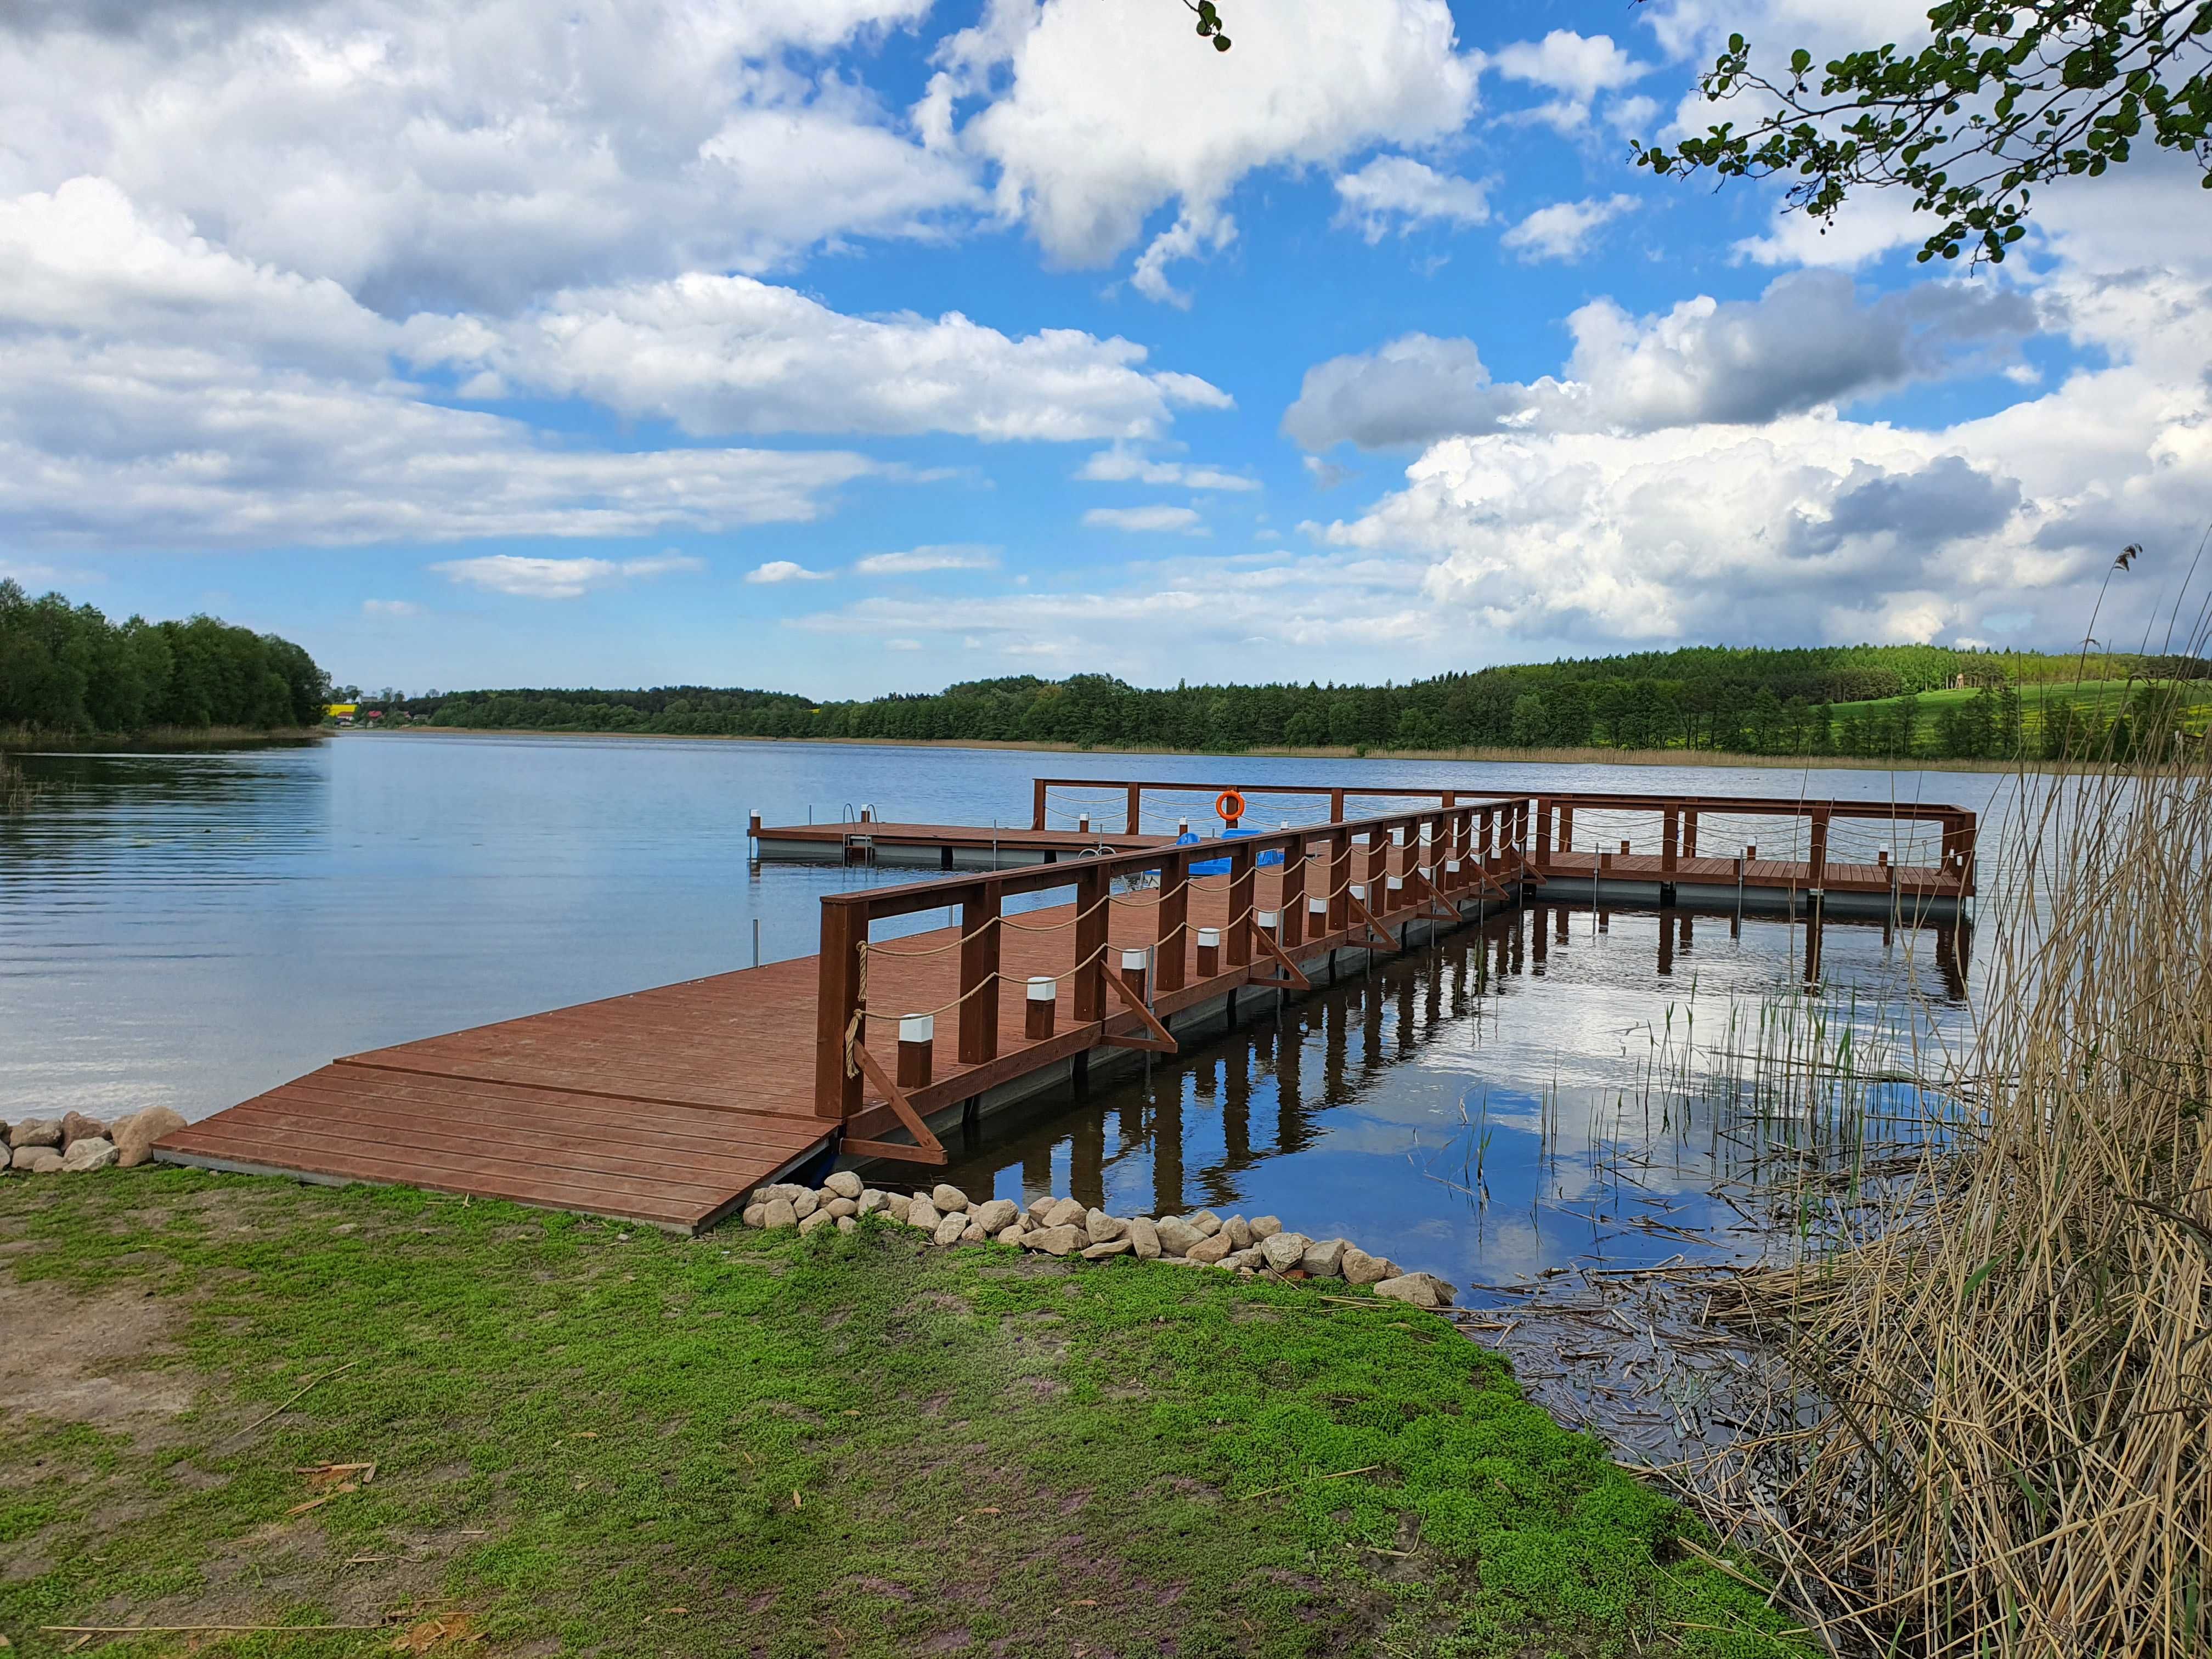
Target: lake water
{"x":192,"y":929}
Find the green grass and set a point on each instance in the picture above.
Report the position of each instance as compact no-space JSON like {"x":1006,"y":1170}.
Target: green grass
{"x":843,"y":1445}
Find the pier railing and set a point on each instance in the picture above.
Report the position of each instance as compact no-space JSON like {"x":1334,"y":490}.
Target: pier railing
{"x":1339,"y":882}
{"x":1342,"y":882}
{"x":1887,"y":830}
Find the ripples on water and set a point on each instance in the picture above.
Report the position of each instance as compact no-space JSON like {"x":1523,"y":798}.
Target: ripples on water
{"x":192,"y":929}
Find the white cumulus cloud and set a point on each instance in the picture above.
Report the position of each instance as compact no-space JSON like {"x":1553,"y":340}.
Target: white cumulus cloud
{"x":1124,"y":464}
{"x":1811,"y":339}
{"x":1103,"y":119}
{"x":784,"y":570}
{"x":920,"y":561}
{"x":1563,"y":230}
{"x":1397,"y":188}
{"x":557,"y":579}
{"x":730,"y":353}
{"x":1181,"y":520}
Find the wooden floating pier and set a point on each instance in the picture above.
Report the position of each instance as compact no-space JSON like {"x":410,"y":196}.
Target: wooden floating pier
{"x":1082,"y":947}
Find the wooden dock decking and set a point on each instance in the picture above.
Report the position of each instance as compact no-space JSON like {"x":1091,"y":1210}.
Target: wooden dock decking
{"x":668,"y":1106}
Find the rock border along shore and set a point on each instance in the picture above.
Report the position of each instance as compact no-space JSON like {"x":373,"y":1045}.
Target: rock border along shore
{"x":1066,"y":1227}
{"x":74,"y":1145}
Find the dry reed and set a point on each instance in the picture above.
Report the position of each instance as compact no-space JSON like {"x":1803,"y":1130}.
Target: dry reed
{"x":1996,"y":1434}
{"x":17,"y":792}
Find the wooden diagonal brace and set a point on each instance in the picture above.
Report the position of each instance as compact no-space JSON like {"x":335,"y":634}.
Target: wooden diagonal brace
{"x":1289,"y":975}
{"x":1449,"y":911}
{"x":927,"y":1148}
{"x":1375,"y":930}
{"x":1161,"y":1042}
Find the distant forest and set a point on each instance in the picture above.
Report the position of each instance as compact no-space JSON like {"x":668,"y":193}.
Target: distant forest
{"x":67,"y":668}
{"x":1870,"y":701}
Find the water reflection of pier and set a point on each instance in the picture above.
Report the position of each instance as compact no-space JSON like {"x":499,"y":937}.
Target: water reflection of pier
{"x":1261,"y":1080}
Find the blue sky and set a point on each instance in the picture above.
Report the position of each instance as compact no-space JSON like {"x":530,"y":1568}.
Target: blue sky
{"x":867,"y":345}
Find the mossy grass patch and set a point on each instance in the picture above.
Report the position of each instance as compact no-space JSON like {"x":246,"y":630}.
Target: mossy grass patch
{"x":594,"y":1439}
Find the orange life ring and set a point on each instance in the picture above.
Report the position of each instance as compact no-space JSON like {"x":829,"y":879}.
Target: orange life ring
{"x":1228,"y":806}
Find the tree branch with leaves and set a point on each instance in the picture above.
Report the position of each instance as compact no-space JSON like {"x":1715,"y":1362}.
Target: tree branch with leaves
{"x":2002,"y":98}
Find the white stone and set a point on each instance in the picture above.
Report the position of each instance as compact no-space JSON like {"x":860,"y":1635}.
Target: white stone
{"x":36,"y":1160}
{"x":1105,"y":1248}
{"x":135,"y":1135}
{"x":1176,"y":1236}
{"x":1209,"y":1250}
{"x":1284,"y":1251}
{"x":1240,"y":1232}
{"x":819,"y":1218}
{"x":803,"y":1203}
{"x":1065,"y":1213}
{"x":1144,"y":1239}
{"x":1103,"y":1228}
{"x":1266,"y":1226}
{"x":872,"y":1200}
{"x":949,"y":1228}
{"x":972,"y":1233}
{"x":1413,"y":1289}
{"x":923,"y":1214}
{"x":1053,"y":1241}
{"x":1324,"y":1258}
{"x":845,"y":1184}
{"x":948,"y":1199}
{"x":898,"y":1207}
{"x":755,"y":1215}
{"x":779,"y":1213}
{"x":994,"y":1215}
{"x":1206,"y":1222}
{"x":1361,"y":1268}
{"x":841,"y":1207}
{"x":845,"y":1224}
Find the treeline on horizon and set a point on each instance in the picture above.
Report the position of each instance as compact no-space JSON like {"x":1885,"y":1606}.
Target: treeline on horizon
{"x":68,"y":670}
{"x":1795,"y":702}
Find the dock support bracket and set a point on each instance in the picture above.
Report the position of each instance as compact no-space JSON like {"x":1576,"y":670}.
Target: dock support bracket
{"x":1290,"y":976}
{"x":1160,"y":1042}
{"x":927,"y":1148}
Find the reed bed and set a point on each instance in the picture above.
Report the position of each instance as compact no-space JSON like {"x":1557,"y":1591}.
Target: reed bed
{"x":17,"y":792}
{"x":1993,"y":1433}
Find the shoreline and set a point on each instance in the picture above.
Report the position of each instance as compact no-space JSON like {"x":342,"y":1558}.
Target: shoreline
{"x":23,"y":740}
{"x":1716,"y":759}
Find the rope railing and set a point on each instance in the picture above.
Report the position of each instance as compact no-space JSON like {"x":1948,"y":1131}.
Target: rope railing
{"x":1393,"y":859}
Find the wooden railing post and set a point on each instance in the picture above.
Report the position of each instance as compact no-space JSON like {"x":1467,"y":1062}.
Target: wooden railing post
{"x":1336,"y":806}
{"x":1093,"y":916}
{"x":1819,"y":859}
{"x":1291,"y":920}
{"x":1340,"y":877}
{"x":1236,"y":937}
{"x":1136,"y":809}
{"x":979,"y":974}
{"x":1689,"y":835}
{"x":1036,"y":804}
{"x":1174,"y":910}
{"x":1378,"y":866}
{"x":837,"y":1000}
{"x":1566,"y":828}
{"x":1670,"y":840}
{"x":1543,"y":835}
